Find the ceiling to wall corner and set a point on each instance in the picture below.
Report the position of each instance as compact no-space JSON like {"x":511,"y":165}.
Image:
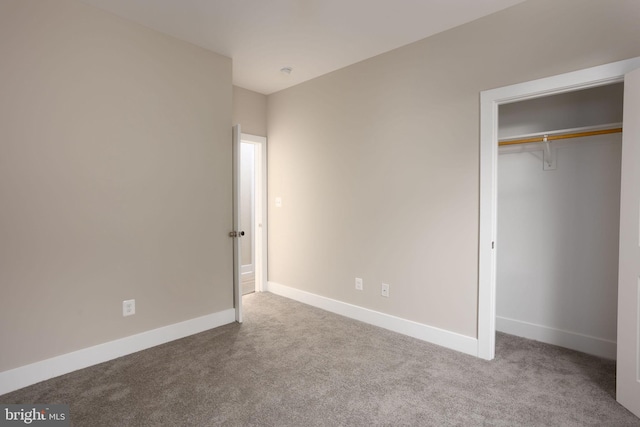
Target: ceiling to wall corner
{"x":313,"y":37}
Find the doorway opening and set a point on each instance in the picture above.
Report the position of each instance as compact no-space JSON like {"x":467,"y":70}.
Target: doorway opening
{"x":558,"y":218}
{"x":253,"y":188}
{"x":490,"y":102}
{"x":628,"y":307}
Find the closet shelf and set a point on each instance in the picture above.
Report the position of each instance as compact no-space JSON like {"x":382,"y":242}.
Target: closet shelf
{"x":562,"y":134}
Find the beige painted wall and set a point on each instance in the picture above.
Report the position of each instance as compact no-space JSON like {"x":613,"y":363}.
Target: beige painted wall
{"x":115,"y":179}
{"x":377,"y":164}
{"x":250,"y":111}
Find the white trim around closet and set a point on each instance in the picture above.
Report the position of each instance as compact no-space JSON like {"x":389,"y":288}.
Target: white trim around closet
{"x":489,"y":102}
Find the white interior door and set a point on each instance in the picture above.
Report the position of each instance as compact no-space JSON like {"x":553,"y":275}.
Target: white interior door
{"x":628,"y":368}
{"x":237,"y":233}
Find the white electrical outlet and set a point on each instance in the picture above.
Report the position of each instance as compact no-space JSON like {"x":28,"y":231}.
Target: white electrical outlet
{"x":359,"y":284}
{"x":128,"y":307}
{"x":384,"y":290}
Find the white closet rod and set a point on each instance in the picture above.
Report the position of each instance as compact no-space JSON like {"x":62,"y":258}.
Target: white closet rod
{"x":563,"y":134}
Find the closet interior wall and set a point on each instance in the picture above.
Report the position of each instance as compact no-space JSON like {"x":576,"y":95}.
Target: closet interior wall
{"x":557,"y":259}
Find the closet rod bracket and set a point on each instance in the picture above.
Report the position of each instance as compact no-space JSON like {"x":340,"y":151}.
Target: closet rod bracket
{"x":548,"y":155}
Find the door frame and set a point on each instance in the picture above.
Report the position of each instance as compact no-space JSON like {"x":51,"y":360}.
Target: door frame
{"x":490,"y":100}
{"x":260,"y":226}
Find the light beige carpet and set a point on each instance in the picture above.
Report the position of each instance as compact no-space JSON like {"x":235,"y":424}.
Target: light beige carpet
{"x":293,"y":365}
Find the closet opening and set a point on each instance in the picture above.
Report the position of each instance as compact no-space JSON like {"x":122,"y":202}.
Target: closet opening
{"x":558,"y":218}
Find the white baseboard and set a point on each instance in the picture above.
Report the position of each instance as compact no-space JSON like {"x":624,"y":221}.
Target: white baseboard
{"x":24,"y":376}
{"x":413,"y":329}
{"x":575,"y":341}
